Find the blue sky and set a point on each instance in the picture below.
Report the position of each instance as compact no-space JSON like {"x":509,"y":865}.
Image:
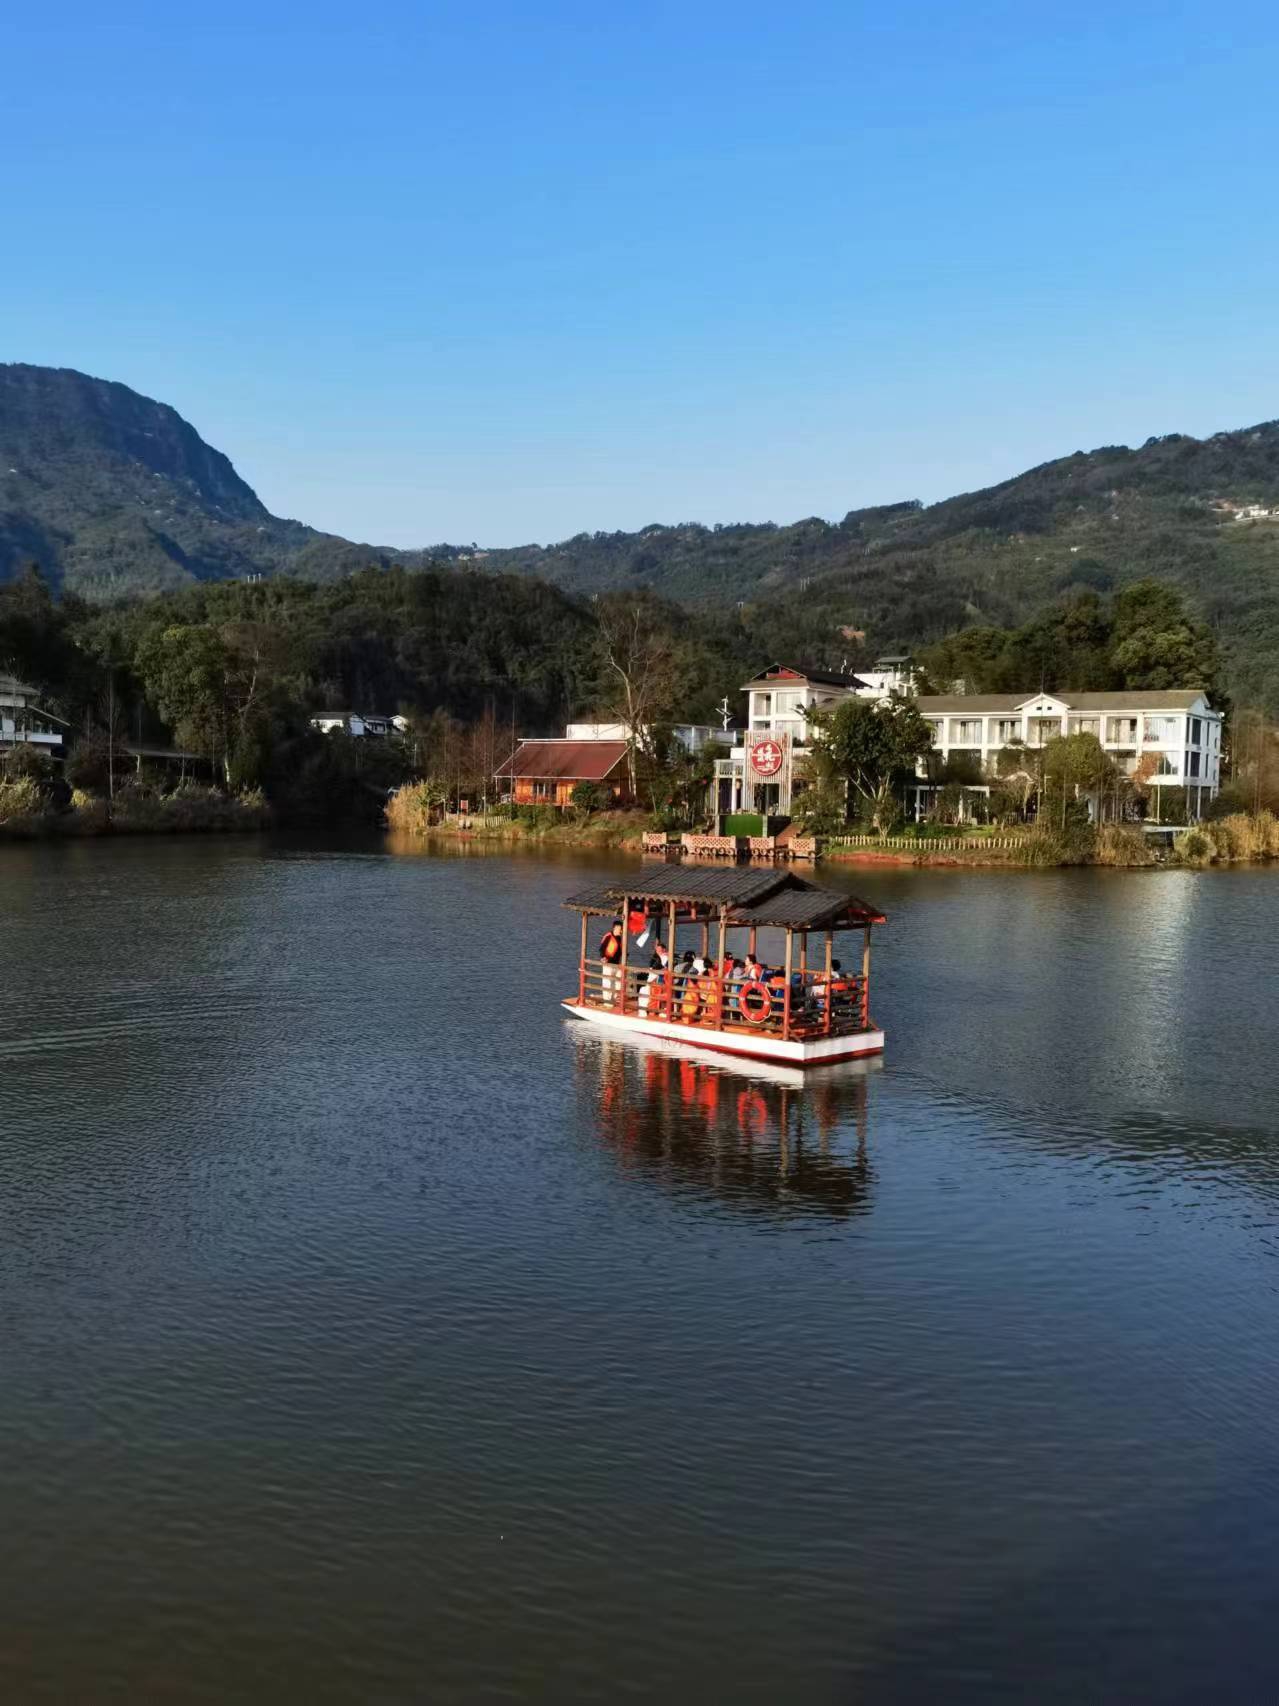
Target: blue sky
{"x":505,"y":273}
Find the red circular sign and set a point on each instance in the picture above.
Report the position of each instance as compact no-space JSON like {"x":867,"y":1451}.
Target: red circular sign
{"x":766,"y":757}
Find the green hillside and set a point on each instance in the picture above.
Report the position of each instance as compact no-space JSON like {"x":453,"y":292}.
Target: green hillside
{"x":114,"y":495}
{"x":906,"y":574}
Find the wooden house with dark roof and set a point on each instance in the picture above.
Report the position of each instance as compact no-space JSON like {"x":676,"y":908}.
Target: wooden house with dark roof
{"x":546,"y":771}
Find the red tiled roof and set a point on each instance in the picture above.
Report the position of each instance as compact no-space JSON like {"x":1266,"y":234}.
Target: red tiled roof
{"x":565,"y":760}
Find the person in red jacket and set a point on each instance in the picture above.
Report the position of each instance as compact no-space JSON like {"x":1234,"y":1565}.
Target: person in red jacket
{"x":611,"y":954}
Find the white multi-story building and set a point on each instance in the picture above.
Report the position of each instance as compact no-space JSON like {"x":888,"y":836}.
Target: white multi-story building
{"x":1174,"y":738}
{"x":24,"y":723}
{"x":760,"y":774}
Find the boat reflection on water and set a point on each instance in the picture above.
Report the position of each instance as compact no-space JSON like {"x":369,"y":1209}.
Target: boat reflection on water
{"x":763,"y":1137}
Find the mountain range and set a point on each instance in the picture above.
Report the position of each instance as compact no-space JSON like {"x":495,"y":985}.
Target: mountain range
{"x":114,"y":494}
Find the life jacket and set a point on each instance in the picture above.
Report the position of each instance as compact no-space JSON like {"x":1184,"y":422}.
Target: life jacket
{"x":611,"y":947}
{"x":690,"y":1005}
{"x":710,"y":997}
{"x":656,"y":992}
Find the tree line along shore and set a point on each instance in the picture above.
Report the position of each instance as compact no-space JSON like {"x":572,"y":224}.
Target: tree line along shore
{"x":222,"y":682}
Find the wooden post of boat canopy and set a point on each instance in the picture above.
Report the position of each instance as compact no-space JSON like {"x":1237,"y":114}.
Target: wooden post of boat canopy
{"x":803,"y":952}
{"x":866,"y":1018}
{"x":706,"y":940}
{"x":786,"y":991}
{"x":750,"y":945}
{"x":581,"y":974}
{"x":830,"y":993}
{"x":626,"y":936}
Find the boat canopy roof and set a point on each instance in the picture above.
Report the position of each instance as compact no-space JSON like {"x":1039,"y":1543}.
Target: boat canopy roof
{"x":744,"y":895}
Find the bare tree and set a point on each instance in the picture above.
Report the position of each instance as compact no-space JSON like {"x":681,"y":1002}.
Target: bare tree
{"x":638,"y":682}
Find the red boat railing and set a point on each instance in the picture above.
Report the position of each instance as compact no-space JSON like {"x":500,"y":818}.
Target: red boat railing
{"x":805,"y":1008}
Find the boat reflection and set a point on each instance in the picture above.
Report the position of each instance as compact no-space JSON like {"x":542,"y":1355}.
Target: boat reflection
{"x":765,"y":1138}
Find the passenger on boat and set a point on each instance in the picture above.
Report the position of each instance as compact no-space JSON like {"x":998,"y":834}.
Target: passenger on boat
{"x":841,"y":991}
{"x":734,"y":977}
{"x":710,"y":988}
{"x":690,"y":999}
{"x":838,"y":994}
{"x":653,"y":990}
{"x":611,"y":953}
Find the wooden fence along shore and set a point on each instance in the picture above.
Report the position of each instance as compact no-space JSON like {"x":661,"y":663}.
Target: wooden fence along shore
{"x":734,"y":847}
{"x":928,"y":844}
{"x":805,"y":847}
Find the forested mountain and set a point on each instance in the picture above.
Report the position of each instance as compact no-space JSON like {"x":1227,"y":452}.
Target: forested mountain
{"x":113,"y":494}
{"x":908,"y":575}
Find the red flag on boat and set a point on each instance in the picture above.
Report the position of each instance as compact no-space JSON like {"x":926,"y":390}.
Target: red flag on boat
{"x":637,"y":924}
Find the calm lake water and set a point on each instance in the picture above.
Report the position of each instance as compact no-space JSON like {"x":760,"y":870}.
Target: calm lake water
{"x":371,"y":1333}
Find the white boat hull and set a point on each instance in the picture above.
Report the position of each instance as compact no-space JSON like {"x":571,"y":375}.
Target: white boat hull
{"x":751,"y":1045}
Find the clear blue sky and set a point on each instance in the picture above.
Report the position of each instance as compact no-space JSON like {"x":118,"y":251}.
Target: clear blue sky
{"x":505,"y":272}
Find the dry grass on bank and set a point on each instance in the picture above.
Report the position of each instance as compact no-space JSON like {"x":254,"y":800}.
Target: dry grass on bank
{"x":411,"y":810}
{"x":1124,"y":845}
{"x":1241,"y":837}
{"x":189,"y":809}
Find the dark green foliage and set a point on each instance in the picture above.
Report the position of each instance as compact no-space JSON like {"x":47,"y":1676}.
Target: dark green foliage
{"x":116,"y":495}
{"x":869,"y":748}
{"x":907,"y":575}
{"x":1142,"y":637}
{"x":232,"y":671}
{"x":588,"y":797}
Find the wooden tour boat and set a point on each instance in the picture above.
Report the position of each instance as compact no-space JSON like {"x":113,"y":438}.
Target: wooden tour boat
{"x":807,"y":1015}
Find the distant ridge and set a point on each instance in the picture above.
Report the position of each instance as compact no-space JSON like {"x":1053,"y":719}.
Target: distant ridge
{"x":113,"y":494}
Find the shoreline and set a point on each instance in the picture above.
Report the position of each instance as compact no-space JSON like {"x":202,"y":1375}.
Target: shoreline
{"x":177,"y":817}
{"x":1238,"y":839}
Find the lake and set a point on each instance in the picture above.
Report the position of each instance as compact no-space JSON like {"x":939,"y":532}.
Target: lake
{"x":374,"y":1333}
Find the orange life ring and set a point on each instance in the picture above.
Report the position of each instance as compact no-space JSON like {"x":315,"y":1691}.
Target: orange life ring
{"x":755,"y":1015}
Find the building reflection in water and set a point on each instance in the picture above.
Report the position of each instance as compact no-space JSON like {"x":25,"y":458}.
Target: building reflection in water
{"x":752,"y":1137}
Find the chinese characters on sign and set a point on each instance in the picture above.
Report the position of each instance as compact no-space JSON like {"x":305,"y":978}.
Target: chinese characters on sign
{"x":766,"y":757}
